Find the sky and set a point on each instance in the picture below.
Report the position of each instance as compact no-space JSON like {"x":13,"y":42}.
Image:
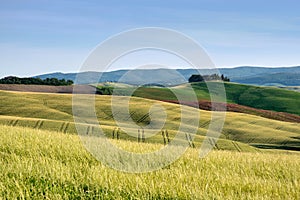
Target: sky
{"x":43,"y":36}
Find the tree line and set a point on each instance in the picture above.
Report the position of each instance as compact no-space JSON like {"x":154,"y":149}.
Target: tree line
{"x":35,"y":81}
{"x":213,"y":77}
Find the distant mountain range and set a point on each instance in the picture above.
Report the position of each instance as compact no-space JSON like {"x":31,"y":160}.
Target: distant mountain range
{"x":282,"y":76}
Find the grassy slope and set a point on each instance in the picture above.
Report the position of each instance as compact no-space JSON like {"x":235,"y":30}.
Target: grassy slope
{"x":54,"y":112}
{"x":267,"y":98}
{"x":39,"y":164}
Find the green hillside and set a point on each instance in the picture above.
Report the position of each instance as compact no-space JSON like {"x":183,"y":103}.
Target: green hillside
{"x":267,"y":98}
{"x":283,"y":79}
{"x":54,"y":112}
{"x":39,"y":164}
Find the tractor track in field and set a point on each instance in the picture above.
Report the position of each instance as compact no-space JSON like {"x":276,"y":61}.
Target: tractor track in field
{"x":213,"y":143}
{"x":88,"y":130}
{"x":64,"y":127}
{"x":143,"y":118}
{"x":38,"y":124}
{"x":235,"y":144}
{"x":131,"y":115}
{"x":204,"y":124}
{"x":13,"y":122}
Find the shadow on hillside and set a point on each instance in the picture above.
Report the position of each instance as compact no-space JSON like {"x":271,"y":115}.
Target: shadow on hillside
{"x":281,"y":147}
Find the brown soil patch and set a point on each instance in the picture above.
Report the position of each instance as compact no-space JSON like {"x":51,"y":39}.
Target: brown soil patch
{"x":82,"y":89}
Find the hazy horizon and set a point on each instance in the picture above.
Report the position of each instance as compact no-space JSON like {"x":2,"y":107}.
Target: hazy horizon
{"x":70,"y":72}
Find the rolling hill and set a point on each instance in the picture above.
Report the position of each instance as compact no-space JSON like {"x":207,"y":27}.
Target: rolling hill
{"x":274,"y":79}
{"x":282,"y":106}
{"x":42,"y":157}
{"x":54,"y":112}
{"x":240,"y":98}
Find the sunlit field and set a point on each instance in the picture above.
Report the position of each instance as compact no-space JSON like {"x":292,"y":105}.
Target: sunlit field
{"x":42,"y":156}
{"x":39,"y":164}
{"x":54,"y":112}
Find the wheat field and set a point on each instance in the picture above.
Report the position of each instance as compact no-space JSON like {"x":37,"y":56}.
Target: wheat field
{"x":39,"y":164}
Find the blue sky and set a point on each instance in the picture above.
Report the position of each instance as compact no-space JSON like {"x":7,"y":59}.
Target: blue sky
{"x":40,"y":36}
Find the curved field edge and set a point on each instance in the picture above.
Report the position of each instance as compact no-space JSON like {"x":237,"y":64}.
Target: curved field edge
{"x":249,"y":99}
{"x":54,"y":112}
{"x":39,"y":164}
{"x":269,"y":102}
{"x":57,"y":126}
{"x":207,"y":105}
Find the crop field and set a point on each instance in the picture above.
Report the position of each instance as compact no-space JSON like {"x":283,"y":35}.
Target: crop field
{"x":54,"y":112}
{"x":42,"y":156}
{"x":39,"y":164}
{"x":45,"y":88}
{"x":266,"y":98}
